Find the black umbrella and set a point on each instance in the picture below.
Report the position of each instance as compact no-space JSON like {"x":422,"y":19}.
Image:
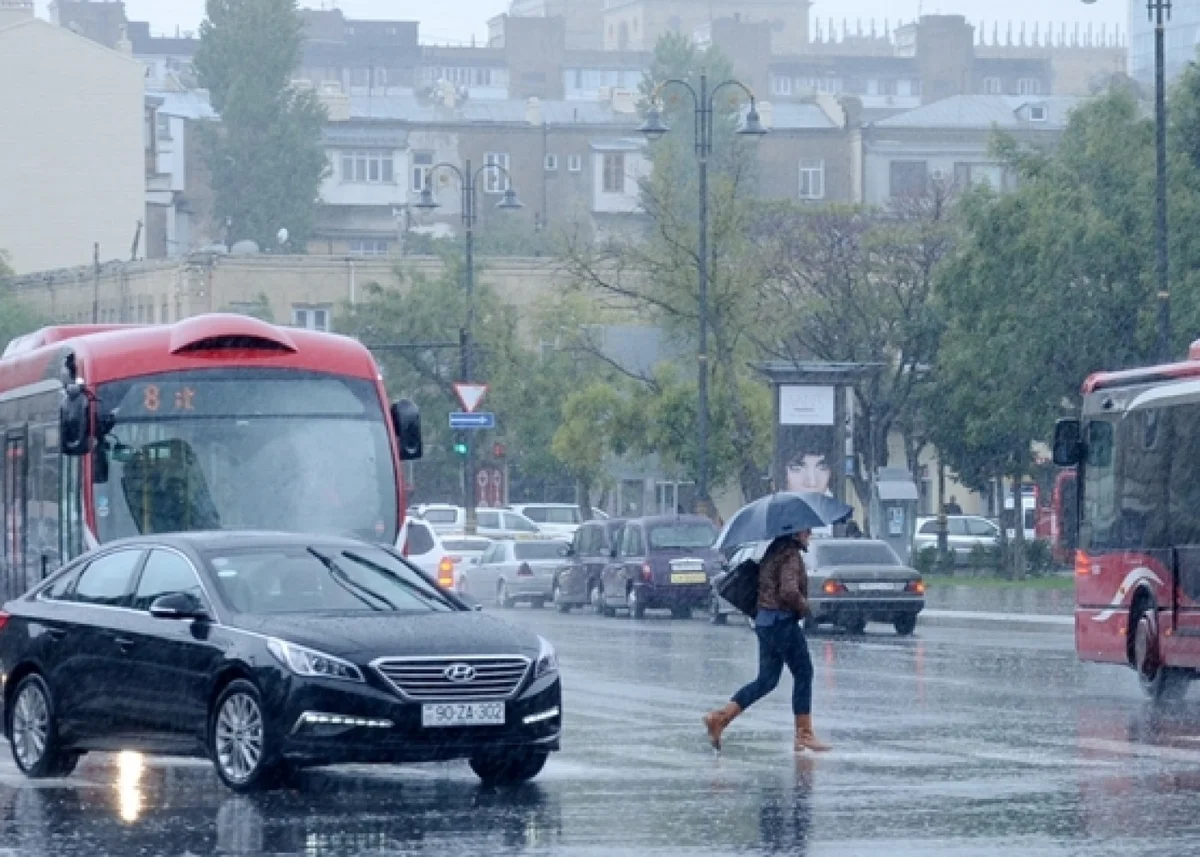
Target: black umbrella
{"x":783,"y":514}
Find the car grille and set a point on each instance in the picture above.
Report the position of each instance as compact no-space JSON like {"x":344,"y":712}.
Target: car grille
{"x":426,"y":678}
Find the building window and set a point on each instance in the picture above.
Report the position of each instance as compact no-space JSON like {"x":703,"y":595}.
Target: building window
{"x":1029,"y":86}
{"x":887,"y":86}
{"x":614,"y":172}
{"x":908,"y":178}
{"x":496,"y":180}
{"x":368,"y":247}
{"x":781,"y":85}
{"x":993,"y":86}
{"x":368,"y":167}
{"x":551,"y":163}
{"x":1037,"y":113}
{"x":574,"y":163}
{"x":163,"y":123}
{"x":812,"y":179}
{"x":310,"y":317}
{"x":422,"y":164}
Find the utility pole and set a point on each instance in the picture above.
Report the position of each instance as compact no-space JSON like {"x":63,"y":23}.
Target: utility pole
{"x":96,"y":283}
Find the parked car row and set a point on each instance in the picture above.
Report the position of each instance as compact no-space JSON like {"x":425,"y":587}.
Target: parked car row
{"x":522,"y":520}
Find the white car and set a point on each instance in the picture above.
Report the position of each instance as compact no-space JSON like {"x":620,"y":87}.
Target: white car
{"x":421,"y":545}
{"x":513,"y":571}
{"x":490,"y":523}
{"x":443,"y":517}
{"x":464,"y":552}
{"x":557,"y":520}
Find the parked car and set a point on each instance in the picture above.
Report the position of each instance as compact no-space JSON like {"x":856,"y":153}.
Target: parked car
{"x":855,"y":581}
{"x":463,"y":552}
{"x":266,"y":653}
{"x":578,"y":581}
{"x":558,"y":520}
{"x":518,"y":571}
{"x":964,"y":533}
{"x":661,"y":563}
{"x":491,"y":523}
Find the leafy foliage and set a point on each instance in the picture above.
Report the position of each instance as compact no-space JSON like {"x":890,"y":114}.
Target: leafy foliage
{"x":266,"y":157}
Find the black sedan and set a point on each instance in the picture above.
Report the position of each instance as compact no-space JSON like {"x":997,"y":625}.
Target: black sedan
{"x":267,"y":653}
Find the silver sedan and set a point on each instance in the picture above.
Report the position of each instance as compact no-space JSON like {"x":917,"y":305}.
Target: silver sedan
{"x":515,"y":571}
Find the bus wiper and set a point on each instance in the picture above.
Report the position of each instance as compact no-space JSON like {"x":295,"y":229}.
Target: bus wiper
{"x":349,"y":584}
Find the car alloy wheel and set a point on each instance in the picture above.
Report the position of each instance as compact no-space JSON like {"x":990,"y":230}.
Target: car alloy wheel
{"x":637,"y":609}
{"x":35,"y":745}
{"x":30,"y":726}
{"x":557,"y":597}
{"x":714,"y":606}
{"x":239,"y":737}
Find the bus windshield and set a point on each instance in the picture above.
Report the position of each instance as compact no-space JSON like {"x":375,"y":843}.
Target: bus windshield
{"x":245,"y":449}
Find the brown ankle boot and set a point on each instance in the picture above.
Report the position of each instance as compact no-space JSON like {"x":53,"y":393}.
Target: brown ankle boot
{"x":805,"y":739}
{"x":716,"y":722}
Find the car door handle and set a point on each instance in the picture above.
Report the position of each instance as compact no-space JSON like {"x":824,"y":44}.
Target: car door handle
{"x":123,"y":643}
{"x":54,"y":634}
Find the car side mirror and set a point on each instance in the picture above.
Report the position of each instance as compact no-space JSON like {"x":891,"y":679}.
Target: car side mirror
{"x":178,"y":605}
{"x":1068,"y":443}
{"x":75,"y":421}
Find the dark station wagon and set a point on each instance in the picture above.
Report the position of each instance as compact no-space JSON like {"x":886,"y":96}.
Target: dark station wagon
{"x":661,"y":563}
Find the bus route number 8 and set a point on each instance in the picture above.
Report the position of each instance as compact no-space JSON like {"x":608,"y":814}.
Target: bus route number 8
{"x":151,"y":399}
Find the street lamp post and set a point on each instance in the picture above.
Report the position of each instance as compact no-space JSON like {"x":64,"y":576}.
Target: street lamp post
{"x":468,"y":180}
{"x":1160,"y":12}
{"x":654,"y":128}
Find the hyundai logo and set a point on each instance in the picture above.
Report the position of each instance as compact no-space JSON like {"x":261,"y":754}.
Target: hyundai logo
{"x":459,"y":673}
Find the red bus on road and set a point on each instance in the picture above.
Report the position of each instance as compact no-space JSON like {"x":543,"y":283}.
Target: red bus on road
{"x":1135,"y":452}
{"x":215,"y":422}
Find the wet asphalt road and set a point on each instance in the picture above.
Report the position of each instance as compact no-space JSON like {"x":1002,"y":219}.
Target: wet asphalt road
{"x":957,"y":742}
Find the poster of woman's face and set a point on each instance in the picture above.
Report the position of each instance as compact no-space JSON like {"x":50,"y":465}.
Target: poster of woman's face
{"x":806,"y":440}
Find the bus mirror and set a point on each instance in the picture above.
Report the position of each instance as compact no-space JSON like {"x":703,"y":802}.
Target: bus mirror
{"x":406,"y":417}
{"x":1068,"y":443}
{"x":74,"y":421}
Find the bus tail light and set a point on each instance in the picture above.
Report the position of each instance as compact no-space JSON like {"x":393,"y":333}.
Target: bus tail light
{"x":446,"y":572}
{"x":647,"y":573}
{"x":917,"y":587}
{"x":834,"y":587}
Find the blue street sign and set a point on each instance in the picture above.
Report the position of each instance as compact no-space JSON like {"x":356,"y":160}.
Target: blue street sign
{"x":479,"y":420}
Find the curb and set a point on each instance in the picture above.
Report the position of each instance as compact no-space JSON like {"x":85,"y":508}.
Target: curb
{"x":1024,"y":621}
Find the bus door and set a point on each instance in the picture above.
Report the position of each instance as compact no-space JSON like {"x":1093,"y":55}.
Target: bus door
{"x":16,"y":468}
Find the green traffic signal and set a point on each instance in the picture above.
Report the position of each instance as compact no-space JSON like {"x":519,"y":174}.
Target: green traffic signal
{"x":460,"y":446}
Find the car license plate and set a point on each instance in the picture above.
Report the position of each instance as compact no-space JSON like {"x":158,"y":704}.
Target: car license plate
{"x":463,"y":714}
{"x":689,"y":577}
{"x":876,"y":587}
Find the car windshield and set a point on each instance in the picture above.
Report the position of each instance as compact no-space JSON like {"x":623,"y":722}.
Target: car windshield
{"x":322,"y":580}
{"x":682,"y":535}
{"x":553,"y":514}
{"x":855,"y":553}
{"x":440,"y":516}
{"x":245,"y":449}
{"x":539,"y":550}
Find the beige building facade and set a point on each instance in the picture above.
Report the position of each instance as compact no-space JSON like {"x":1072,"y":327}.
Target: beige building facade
{"x":72,"y":145}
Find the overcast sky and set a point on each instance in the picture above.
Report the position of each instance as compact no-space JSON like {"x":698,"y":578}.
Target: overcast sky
{"x":459,"y":20}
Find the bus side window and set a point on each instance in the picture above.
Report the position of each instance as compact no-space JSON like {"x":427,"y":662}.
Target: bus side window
{"x":1100,"y":486}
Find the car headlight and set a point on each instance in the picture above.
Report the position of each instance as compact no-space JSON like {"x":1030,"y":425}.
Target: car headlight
{"x":547,"y":661}
{"x":309,"y":662}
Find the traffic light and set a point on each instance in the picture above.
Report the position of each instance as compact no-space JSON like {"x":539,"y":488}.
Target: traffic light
{"x":460,"y":444}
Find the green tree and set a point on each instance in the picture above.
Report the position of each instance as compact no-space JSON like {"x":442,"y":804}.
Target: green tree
{"x":266,"y":156}
{"x":259,"y":308}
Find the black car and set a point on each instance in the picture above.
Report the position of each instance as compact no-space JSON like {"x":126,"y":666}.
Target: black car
{"x":268,"y":653}
{"x":577,"y":583}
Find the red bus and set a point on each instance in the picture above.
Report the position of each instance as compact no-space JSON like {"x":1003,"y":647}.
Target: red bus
{"x":1135,"y":452}
{"x":215,"y":422}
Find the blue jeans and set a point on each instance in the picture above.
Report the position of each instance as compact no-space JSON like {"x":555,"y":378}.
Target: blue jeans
{"x":778,"y":645}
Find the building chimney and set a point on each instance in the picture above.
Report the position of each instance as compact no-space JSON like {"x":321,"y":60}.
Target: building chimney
{"x":13,"y":11}
{"x":123,"y":44}
{"x":533,"y":111}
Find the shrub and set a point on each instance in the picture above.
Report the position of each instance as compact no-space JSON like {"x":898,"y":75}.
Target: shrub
{"x":926,"y":562}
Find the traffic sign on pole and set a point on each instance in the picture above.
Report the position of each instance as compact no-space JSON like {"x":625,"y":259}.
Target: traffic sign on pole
{"x":470,"y":395}
{"x":482,"y":420}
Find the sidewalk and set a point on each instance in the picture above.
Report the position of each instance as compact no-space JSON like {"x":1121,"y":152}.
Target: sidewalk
{"x":965,"y":606}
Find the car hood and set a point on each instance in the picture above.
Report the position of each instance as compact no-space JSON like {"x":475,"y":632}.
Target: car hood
{"x":362,"y":637}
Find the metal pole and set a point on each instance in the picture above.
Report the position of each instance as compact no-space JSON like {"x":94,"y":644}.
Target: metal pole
{"x":703,"y":147}
{"x":1160,"y":10}
{"x":468,"y":218}
{"x":943,"y":530}
{"x":96,"y":284}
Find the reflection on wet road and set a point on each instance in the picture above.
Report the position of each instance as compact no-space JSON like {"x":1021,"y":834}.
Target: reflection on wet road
{"x":957,"y":742}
